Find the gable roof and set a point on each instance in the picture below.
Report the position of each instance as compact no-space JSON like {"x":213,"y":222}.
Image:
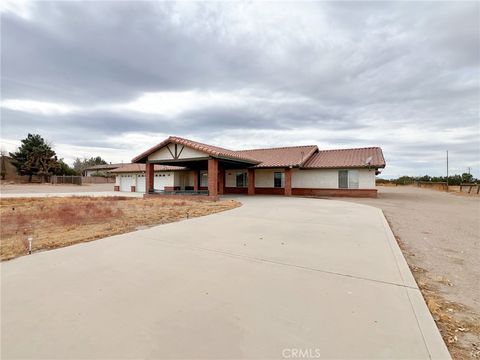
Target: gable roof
{"x":281,"y":157}
{"x":141,"y":168}
{"x":214,"y":151}
{"x":346,"y":158}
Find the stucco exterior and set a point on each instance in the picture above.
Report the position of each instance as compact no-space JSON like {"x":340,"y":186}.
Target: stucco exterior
{"x":182,"y":152}
{"x":328,"y":178}
{"x":264,"y":178}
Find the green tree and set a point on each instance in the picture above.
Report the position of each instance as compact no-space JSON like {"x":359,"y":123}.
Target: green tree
{"x":35,"y":157}
{"x":80,"y":165}
{"x":65,"y":169}
{"x":467,"y":178}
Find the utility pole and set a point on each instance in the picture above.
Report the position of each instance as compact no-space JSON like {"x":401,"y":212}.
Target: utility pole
{"x":469,"y":168}
{"x":447,"y":170}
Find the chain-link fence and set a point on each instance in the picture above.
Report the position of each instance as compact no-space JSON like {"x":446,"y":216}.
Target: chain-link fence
{"x":66,"y":179}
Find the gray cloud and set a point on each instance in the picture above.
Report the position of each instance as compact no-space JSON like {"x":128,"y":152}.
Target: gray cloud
{"x":403,"y":76}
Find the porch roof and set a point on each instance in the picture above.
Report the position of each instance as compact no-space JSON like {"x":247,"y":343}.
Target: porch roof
{"x":214,"y":151}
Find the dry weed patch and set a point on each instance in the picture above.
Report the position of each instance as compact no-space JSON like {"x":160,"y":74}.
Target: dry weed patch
{"x":58,"y":222}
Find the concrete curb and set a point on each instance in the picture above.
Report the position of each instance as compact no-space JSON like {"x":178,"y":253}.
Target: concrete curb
{"x":433,"y":340}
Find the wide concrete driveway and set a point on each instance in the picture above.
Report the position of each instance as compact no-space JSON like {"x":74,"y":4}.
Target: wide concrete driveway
{"x":275,"y":278}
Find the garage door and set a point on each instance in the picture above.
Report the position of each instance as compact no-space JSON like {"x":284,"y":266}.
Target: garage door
{"x":126,"y":181}
{"x":160,"y":181}
{"x":140,"y":183}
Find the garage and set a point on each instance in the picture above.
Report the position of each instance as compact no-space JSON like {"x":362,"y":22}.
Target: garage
{"x":161,"y":180}
{"x":126,"y":182}
{"x":140,"y":183}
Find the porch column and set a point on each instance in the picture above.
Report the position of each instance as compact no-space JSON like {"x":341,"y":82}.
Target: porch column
{"x":221,"y":181}
{"x":251,"y":181}
{"x":288,"y":182}
{"x":149,"y":176}
{"x":196,"y":175}
{"x":213,"y":177}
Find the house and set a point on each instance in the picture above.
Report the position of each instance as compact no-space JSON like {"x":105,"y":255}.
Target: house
{"x":8,"y":171}
{"x":100,"y":170}
{"x":182,"y":166}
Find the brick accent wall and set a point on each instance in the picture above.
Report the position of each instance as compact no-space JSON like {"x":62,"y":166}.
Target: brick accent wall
{"x":251,"y":181}
{"x":221,"y":181}
{"x":213,"y":177}
{"x":269,"y":191}
{"x":149,"y":176}
{"x":235,"y":190}
{"x":288,"y":182}
{"x":196,"y":177}
{"x":370,"y":193}
{"x":181,"y":197}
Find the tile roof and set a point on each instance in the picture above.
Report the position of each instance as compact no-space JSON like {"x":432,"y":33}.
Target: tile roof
{"x":141,"y":168}
{"x":344,"y":158}
{"x":280,"y":157}
{"x":103,"y":166}
{"x":208,"y":149}
{"x":308,"y":156}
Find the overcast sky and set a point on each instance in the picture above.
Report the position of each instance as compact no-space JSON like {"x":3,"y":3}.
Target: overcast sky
{"x":114,"y":78}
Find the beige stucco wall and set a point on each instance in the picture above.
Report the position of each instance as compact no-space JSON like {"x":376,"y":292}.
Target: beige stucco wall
{"x":231,"y":177}
{"x":264,"y":177}
{"x":183,"y":178}
{"x":328,"y":179}
{"x":186,"y":153}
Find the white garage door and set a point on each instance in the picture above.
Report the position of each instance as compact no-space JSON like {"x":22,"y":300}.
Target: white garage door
{"x":160,"y":181}
{"x":140,"y":183}
{"x":126,"y":181}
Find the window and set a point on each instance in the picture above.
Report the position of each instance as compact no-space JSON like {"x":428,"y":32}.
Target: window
{"x":279,"y":180}
{"x":348,"y":179}
{"x":242,"y":180}
{"x":353,"y":179}
{"x":203,"y":178}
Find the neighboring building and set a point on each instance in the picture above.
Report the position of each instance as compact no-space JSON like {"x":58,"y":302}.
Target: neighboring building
{"x":185,"y":166}
{"x":8,"y":171}
{"x":100,"y":170}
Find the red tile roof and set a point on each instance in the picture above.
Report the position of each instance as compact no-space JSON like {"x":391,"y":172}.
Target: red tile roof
{"x":208,"y":149}
{"x":307,"y":156}
{"x":280,"y":157}
{"x":344,"y":158}
{"x":141,"y":168}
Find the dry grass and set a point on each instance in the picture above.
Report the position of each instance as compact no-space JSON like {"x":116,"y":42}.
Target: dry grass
{"x":459,"y":327}
{"x":58,"y":222}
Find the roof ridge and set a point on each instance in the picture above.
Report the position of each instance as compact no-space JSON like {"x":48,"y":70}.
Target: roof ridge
{"x":198,"y":142}
{"x":356,"y":148}
{"x":280,"y":147}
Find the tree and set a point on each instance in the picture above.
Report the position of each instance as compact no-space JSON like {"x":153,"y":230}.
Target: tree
{"x":80,"y":165}
{"x":35,"y":157}
{"x":467,"y":178}
{"x":64,"y":169}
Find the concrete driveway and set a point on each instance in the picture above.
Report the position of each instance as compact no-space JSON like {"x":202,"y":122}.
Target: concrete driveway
{"x":48,"y":190}
{"x":276,"y":278}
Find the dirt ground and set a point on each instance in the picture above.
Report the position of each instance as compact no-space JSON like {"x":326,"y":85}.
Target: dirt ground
{"x":49,"y":188}
{"x":61,"y":221}
{"x":439,"y":234}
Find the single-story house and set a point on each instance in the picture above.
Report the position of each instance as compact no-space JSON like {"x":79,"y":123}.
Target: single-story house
{"x":100,"y":170}
{"x":182,"y":166}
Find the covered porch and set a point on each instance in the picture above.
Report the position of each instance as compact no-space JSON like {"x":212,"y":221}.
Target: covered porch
{"x":205,"y":170}
{"x":205,"y":177}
